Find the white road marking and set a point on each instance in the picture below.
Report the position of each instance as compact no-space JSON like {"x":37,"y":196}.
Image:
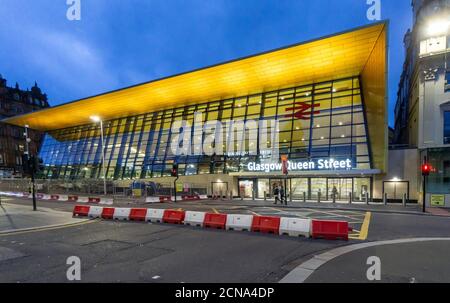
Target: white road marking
{"x":306,"y":269}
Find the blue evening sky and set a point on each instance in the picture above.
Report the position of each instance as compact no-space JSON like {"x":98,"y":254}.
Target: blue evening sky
{"x":119,"y":43}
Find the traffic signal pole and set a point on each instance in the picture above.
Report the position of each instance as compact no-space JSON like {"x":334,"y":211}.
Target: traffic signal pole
{"x":32,"y":164}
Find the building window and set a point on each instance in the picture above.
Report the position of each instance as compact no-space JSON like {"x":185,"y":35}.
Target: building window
{"x":447,"y":127}
{"x":1,"y":159}
{"x":447,"y":81}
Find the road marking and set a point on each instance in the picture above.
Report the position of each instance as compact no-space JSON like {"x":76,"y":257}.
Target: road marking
{"x":256,"y":214}
{"x":302,"y":272}
{"x":44,"y":228}
{"x":289,"y":213}
{"x":214,"y":210}
{"x":332,"y":214}
{"x":365,"y":227}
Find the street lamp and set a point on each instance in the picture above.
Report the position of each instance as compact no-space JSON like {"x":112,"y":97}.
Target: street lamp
{"x":437,"y":27}
{"x":97,"y":119}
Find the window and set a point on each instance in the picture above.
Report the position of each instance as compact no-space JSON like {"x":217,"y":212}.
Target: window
{"x":447,"y":127}
{"x":447,"y":81}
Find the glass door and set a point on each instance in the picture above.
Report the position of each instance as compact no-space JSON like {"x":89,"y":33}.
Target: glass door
{"x":246,"y":189}
{"x":318,"y":186}
{"x":341,"y":188}
{"x":298,"y":187}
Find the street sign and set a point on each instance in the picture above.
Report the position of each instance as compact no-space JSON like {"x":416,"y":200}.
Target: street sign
{"x":438,"y":200}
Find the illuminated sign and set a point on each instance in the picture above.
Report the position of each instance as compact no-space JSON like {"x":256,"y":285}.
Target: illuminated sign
{"x":319,"y":164}
{"x":303,"y":110}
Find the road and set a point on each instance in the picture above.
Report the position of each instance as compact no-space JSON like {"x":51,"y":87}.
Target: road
{"x":138,"y":252}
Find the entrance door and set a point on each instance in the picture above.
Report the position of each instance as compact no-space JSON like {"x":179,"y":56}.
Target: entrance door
{"x":220,"y":188}
{"x":341,"y":187}
{"x":299,"y":187}
{"x":396,"y":190}
{"x":246,"y":189}
{"x":318,"y":185}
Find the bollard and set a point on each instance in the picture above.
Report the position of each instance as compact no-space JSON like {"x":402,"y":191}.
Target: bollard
{"x":290,"y":197}
{"x":318,"y":197}
{"x":404,"y":200}
{"x":350,"y":198}
{"x":385,"y":198}
{"x":366,"y":197}
{"x":265,"y":196}
{"x":304,"y":197}
{"x":231,"y":195}
{"x":334,"y":198}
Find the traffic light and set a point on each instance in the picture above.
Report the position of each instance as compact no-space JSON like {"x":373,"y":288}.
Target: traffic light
{"x":174,"y":172}
{"x":26,"y":165}
{"x":426,"y":169}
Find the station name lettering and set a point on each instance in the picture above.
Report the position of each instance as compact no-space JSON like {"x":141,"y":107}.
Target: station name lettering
{"x":320,"y":164}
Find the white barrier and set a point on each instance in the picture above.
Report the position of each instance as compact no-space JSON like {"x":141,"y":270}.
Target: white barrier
{"x":154,"y":215}
{"x":46,"y":197}
{"x":194,"y":218}
{"x":239,"y":222}
{"x":63,"y":198}
{"x":106,"y":201}
{"x":295,"y":227}
{"x":95,"y":212}
{"x":152,"y":200}
{"x":121,"y":213}
{"x":83,"y":200}
{"x":203,"y":197}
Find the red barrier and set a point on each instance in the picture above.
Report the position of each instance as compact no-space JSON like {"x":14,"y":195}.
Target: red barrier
{"x":81,"y":211}
{"x":94,"y":200}
{"x":25,"y":195}
{"x":54,"y":197}
{"x":269,"y":225}
{"x":138,"y":214}
{"x":330,"y":230}
{"x":73,"y":198}
{"x":165,"y":199}
{"x":190,"y":197}
{"x":108,"y":213}
{"x":218,"y":221}
{"x":173,"y":216}
{"x":39,"y":196}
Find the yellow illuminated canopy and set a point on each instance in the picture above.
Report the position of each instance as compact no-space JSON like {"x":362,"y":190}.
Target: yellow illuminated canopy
{"x":334,"y":57}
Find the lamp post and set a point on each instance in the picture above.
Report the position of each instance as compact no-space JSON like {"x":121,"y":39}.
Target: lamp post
{"x":97,"y":119}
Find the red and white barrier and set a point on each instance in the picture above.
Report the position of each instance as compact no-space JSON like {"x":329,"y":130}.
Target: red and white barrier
{"x":95,"y":212}
{"x":194,"y":218}
{"x":154,"y":215}
{"x":293,"y":227}
{"x":122,"y":214}
{"x":239,"y":222}
{"x":63,"y":198}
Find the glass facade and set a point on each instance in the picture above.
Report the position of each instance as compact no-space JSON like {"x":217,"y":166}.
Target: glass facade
{"x":334,"y":126}
{"x":447,"y":127}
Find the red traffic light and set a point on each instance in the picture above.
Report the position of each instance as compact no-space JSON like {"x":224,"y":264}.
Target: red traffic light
{"x":426,"y":169}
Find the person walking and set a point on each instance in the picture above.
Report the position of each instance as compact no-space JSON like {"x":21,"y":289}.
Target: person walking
{"x":276,"y":193}
{"x":283,"y":196}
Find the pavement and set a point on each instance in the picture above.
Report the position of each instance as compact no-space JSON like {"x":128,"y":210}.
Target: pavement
{"x":139,"y":252}
{"x":16,"y":218}
{"x":415,"y":262}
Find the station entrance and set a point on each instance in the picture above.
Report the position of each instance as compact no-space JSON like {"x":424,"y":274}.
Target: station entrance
{"x":311,"y":189}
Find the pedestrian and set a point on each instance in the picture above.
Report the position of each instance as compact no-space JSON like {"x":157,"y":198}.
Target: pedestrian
{"x":282,"y":195}
{"x":276,"y":193}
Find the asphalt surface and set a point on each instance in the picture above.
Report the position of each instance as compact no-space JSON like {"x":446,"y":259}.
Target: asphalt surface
{"x":422,"y":262}
{"x":140,"y":252}
{"x":135,"y":252}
